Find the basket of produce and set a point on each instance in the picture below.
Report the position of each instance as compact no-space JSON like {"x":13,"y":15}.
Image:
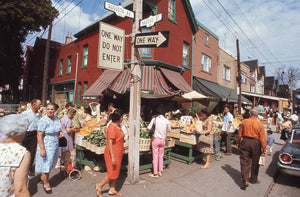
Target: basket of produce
{"x":170,"y":142}
{"x":94,"y":140}
{"x":145,"y":139}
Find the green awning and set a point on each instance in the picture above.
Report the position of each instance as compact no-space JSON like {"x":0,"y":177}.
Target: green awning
{"x":217,"y":92}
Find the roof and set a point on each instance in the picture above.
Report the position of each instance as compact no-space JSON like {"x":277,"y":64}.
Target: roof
{"x":208,"y":30}
{"x":252,"y":64}
{"x":216,"y":92}
{"x":275,"y":98}
{"x":269,"y":82}
{"x":128,"y":4}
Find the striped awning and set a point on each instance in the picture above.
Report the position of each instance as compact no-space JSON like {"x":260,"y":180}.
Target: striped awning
{"x":177,"y":80}
{"x":101,"y":84}
{"x":152,"y":81}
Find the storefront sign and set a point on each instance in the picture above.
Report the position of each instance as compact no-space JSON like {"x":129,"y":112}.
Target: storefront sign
{"x":111,"y":47}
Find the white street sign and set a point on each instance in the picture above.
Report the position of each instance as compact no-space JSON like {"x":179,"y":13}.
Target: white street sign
{"x":111,"y":47}
{"x":151,"y":20}
{"x":152,"y":39}
{"x":118,"y":10}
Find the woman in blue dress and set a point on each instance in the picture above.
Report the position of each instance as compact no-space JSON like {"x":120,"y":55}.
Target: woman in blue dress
{"x":49,"y":128}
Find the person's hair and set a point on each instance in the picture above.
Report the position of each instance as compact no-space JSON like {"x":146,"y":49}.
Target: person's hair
{"x":53,"y":104}
{"x":206,"y":112}
{"x":269,"y":131}
{"x":159,"y":110}
{"x":34,"y":101}
{"x":254,"y":112}
{"x":110,"y":105}
{"x":72,"y":111}
{"x":69,"y":105}
{"x":116,"y":115}
{"x":226,"y":106}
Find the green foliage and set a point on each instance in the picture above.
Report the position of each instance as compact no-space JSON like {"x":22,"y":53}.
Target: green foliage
{"x":96,"y":137}
{"x":18,"y":18}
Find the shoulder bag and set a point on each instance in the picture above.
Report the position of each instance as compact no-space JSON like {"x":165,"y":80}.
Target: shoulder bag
{"x":206,"y":139}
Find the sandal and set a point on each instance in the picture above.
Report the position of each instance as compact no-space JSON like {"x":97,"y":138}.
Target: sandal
{"x":115,"y":193}
{"x":48,"y":189}
{"x":98,"y":192}
{"x":153,"y":175}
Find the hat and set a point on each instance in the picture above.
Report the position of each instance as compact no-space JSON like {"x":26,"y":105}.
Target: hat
{"x":12,"y":125}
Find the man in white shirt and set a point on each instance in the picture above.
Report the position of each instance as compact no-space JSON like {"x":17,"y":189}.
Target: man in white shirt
{"x":294,"y":118}
{"x":227,"y":130}
{"x":162,"y":126}
{"x":30,"y":139}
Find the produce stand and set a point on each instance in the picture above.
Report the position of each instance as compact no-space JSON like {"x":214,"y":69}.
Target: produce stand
{"x":89,"y":158}
{"x":186,"y":152}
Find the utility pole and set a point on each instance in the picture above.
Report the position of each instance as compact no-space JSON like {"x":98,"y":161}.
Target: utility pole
{"x":135,"y":100}
{"x":46,"y":67}
{"x":291,"y":91}
{"x":239,"y":78}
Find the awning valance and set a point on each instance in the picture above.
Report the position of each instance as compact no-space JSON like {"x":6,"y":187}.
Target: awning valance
{"x":217,"y":92}
{"x":264,"y":96}
{"x":177,"y":80}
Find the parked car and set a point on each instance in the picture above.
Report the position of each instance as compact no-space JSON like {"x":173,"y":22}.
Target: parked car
{"x":289,"y":157}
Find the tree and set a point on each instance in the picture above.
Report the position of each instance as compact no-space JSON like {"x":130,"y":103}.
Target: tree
{"x":18,"y":18}
{"x":286,"y":75}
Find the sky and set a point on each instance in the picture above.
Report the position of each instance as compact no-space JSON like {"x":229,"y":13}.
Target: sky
{"x":267,"y":30}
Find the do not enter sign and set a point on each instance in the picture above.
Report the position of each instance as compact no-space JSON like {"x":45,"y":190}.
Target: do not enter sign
{"x":111,"y":47}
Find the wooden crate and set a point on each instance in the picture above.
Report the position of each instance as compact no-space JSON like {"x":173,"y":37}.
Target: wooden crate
{"x":189,"y":138}
{"x":100,"y":150}
{"x":170,"y":143}
{"x":145,"y":144}
{"x":175,"y":133}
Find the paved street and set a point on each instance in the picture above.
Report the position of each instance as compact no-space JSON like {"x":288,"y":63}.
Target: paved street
{"x":180,"y":179}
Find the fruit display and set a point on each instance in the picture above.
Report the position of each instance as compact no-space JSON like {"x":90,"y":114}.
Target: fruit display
{"x":85,"y":131}
{"x":96,"y":137}
{"x":144,"y":132}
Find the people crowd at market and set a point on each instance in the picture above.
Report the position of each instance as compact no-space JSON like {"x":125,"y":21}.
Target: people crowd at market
{"x":36,"y":140}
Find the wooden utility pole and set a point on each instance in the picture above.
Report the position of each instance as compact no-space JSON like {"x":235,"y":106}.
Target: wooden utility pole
{"x":135,"y":100}
{"x":239,"y":79}
{"x":46,"y":68}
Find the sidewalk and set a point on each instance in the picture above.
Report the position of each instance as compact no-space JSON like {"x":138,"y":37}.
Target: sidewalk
{"x":180,"y":179}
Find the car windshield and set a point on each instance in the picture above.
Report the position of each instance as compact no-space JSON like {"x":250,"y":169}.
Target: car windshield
{"x":296,"y":137}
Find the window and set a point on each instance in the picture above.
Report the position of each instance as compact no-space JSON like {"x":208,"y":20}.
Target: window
{"x":185,"y":55}
{"x":206,"y":63}
{"x":69,"y":65}
{"x":60,"y":68}
{"x":243,"y":77}
{"x":172,"y":10}
{"x":206,"y":39}
{"x":78,"y":92}
{"x":252,"y":88}
{"x":226,"y":73}
{"x":146,"y":52}
{"x":85,"y":84}
{"x":85,"y":56}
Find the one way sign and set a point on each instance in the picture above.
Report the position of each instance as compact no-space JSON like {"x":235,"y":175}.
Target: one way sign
{"x":152,"y":39}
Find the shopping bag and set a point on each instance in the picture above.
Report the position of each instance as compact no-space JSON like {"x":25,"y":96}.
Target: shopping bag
{"x":262,"y":161}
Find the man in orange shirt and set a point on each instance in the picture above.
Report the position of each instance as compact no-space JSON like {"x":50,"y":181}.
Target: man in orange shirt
{"x":252,"y":143}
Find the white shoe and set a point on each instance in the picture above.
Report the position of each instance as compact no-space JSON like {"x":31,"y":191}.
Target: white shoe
{"x":59,"y":167}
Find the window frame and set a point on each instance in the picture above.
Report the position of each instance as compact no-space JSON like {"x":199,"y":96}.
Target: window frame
{"x":245,"y":77}
{"x":187,"y":65}
{"x":206,"y":39}
{"x":203,"y":66}
{"x":60,"y":71}
{"x":148,"y":54}
{"x":78,"y":92}
{"x":225,"y":67}
{"x":173,"y":18}
{"x":85,"y":85}
{"x":85,"y":56}
{"x":69,"y":62}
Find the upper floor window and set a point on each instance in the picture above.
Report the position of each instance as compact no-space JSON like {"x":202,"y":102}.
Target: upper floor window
{"x":206,"y":63}
{"x":243,"y":77}
{"x":69,"y":65}
{"x":85,"y":85}
{"x":85,"y":56}
{"x":252,"y":88}
{"x":206,"y":39}
{"x":60,"y":68}
{"x":172,"y":10}
{"x":146,"y":52}
{"x":185,"y":55}
{"x":226,"y":73}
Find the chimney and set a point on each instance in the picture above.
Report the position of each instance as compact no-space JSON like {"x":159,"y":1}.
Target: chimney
{"x":68,"y":38}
